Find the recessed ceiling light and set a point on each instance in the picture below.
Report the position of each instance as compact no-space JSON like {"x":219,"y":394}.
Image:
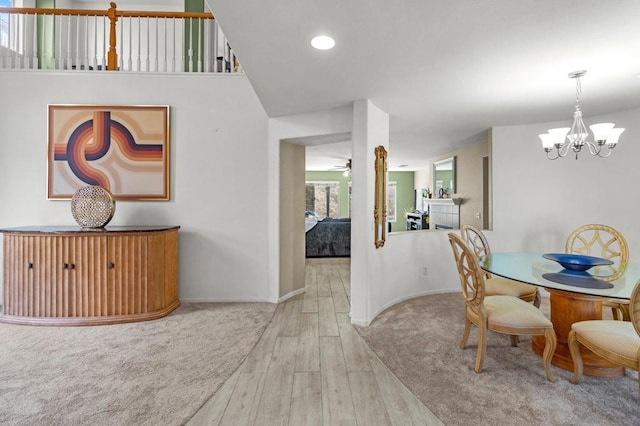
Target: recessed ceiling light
{"x":323,"y":42}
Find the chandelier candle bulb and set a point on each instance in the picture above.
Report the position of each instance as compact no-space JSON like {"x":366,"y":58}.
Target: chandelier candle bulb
{"x":613,"y":136}
{"x":601,"y":131}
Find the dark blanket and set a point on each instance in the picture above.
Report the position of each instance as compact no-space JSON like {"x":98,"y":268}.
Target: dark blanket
{"x":329,"y":238}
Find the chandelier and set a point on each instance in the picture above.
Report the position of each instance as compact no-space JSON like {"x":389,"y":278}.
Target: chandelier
{"x":604,"y":134}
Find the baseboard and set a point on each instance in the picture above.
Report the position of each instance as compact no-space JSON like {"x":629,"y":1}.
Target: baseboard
{"x":290,"y":295}
{"x":363,"y":323}
{"x":215,"y":300}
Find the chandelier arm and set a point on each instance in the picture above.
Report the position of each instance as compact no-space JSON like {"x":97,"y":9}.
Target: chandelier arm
{"x":593,"y":148}
{"x":564,"y":149}
{"x":599,"y":154}
{"x":552,"y":158}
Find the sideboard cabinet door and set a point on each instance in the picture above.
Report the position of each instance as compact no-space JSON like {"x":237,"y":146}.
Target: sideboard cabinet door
{"x":127,"y":270}
{"x":53,"y":276}
{"x":80,"y":268}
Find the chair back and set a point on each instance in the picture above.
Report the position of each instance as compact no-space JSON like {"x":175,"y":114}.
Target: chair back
{"x":469,"y":271}
{"x":601,"y":241}
{"x":475,"y":239}
{"x":634,"y":307}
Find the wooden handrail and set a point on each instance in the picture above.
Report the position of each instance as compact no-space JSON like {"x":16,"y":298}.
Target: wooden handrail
{"x":89,"y":12}
{"x":113,"y":14}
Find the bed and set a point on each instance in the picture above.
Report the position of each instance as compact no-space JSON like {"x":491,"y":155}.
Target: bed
{"x":328,"y":237}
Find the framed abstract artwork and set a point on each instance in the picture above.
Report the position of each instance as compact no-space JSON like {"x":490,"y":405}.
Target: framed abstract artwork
{"x":124,"y":149}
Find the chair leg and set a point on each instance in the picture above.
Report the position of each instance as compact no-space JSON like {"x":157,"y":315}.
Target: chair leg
{"x":550,"y":343}
{"x":638,"y":369}
{"x":465,"y":334}
{"x":574,"y":350}
{"x":623,"y":311}
{"x":537,"y":299}
{"x":617,"y":315}
{"x":482,"y":346}
{"x":514,"y":340}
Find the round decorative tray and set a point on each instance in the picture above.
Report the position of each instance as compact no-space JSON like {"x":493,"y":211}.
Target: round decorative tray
{"x":92,"y":206}
{"x":577,"y":262}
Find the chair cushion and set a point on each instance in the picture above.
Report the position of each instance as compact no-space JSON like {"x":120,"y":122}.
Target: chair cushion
{"x":511,"y":312}
{"x":504,"y":286}
{"x":618,"y":337}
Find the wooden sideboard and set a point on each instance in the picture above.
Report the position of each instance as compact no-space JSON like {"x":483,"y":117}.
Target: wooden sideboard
{"x":77,"y":276}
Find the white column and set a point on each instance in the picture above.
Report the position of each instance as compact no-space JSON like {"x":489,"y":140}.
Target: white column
{"x":370,"y":129}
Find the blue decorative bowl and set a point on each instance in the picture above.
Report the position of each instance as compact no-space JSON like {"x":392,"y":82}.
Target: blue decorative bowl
{"x":577,"y":262}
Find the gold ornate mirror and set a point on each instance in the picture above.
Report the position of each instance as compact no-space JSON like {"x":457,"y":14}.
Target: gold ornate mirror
{"x":380,"y":206}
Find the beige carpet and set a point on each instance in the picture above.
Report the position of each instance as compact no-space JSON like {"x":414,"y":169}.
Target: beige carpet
{"x":418,"y":340}
{"x":149,"y":373}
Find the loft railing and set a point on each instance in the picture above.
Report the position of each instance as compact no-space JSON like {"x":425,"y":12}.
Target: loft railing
{"x":78,"y":39}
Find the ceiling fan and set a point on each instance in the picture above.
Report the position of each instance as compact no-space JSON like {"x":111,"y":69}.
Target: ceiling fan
{"x":346,"y":168}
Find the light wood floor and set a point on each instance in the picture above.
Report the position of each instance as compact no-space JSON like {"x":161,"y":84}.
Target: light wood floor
{"x":312,"y":368}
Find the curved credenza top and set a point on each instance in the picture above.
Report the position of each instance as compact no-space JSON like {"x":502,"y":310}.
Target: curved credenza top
{"x":80,"y":230}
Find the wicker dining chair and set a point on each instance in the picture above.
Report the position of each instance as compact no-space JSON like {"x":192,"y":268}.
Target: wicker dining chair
{"x":476,"y":239}
{"x":615,"y":341}
{"x":605,"y":242}
{"x":502,"y":314}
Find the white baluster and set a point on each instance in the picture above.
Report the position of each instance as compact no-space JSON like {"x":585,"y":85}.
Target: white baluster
{"x":227,"y":56}
{"x":215,"y":46}
{"x":18,"y":43}
{"x":94,"y":59}
{"x":69,"y":60}
{"x":16,"y":39}
{"x":206,"y":45}
{"x":34,"y":60}
{"x":60,"y":60}
{"x":157,"y":24}
{"x":174,"y":45}
{"x":148,"y":66}
{"x":173,"y":48}
{"x":78,"y":64}
{"x":5,"y":59}
{"x":164,"y":67}
{"x":190,"y":48}
{"x":139,"y":54}
{"x":104,"y":43}
{"x":45,"y":51}
{"x":129,"y":63}
{"x":200,"y":38}
{"x":23,"y":36}
{"x":85,"y":57}
{"x":120,"y":45}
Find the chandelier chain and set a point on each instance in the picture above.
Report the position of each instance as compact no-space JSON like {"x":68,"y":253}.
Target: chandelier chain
{"x":578,"y":92}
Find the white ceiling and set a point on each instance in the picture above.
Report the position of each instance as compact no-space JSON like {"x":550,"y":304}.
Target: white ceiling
{"x":445,"y":71}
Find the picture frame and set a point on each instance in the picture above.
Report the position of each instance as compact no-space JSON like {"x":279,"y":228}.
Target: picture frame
{"x":122,"y":148}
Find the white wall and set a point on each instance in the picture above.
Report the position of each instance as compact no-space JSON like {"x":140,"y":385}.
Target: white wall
{"x":538,"y":202}
{"x":218,"y":136}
